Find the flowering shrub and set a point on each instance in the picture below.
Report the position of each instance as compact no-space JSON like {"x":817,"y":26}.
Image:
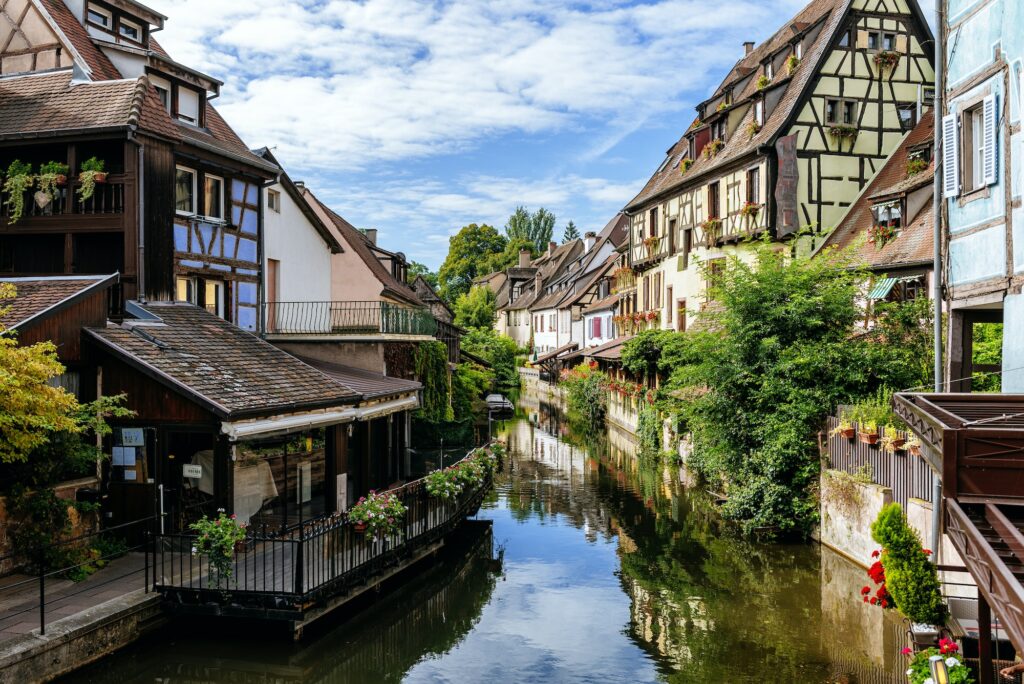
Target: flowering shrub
{"x":880,"y":234}
{"x":216,"y":538}
{"x":911,"y":579}
{"x":920,"y":672}
{"x":442,"y":484}
{"x":468,"y":472}
{"x":380,"y":512}
{"x":876,"y":572}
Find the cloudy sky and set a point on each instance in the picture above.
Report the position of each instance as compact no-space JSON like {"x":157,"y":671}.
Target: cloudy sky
{"x":417,"y":117}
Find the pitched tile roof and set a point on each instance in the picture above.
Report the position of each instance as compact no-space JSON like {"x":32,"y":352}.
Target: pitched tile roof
{"x":609,"y":351}
{"x":50,"y":102}
{"x":608,"y":302}
{"x":371,"y":385}
{"x":914,"y":244}
{"x":100,"y":66}
{"x":37,"y":297}
{"x":227,"y":370}
{"x":668,"y":177}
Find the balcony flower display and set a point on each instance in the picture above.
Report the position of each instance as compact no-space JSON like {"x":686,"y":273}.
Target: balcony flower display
{"x":469,"y":472}
{"x":17,"y":180}
{"x":91,"y":172}
{"x":380,"y":514}
{"x":750,"y":210}
{"x":920,"y":672}
{"x":651,"y":243}
{"x":752,"y":129}
{"x":652,"y":316}
{"x":916,"y":166}
{"x":843,"y":131}
{"x":844,"y":429}
{"x":52,"y":175}
{"x":886,"y":59}
{"x":217,"y":539}
{"x":443,"y":484}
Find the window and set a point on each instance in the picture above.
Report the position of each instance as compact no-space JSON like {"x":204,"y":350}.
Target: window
{"x":973,"y":129}
{"x":213,"y":197}
{"x":759,"y":112}
{"x":907,"y":112}
{"x":845,"y":39}
{"x":214,"y":300}
{"x":687,"y":248}
{"x":841,"y":112}
{"x":713,"y":201}
{"x":873,"y":40}
{"x":653,"y":223}
{"x":798,"y":50}
{"x":888,"y":41}
{"x":849,"y":113}
{"x":831,"y":111}
{"x":99,"y":16}
{"x":668,"y":298}
{"x":888,"y":214}
{"x":754,"y":186}
{"x":185,"y":290}
{"x":163,"y":90}
{"x":681,"y":315}
{"x":274,"y":200}
{"x":130,"y":30}
{"x":185,"y":191}
{"x":718,"y":129}
{"x":188,"y":105}
{"x":769,"y":70}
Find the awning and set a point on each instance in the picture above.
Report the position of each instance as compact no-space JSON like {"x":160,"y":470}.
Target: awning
{"x":557,"y":352}
{"x":387,"y":407}
{"x":882,"y":288}
{"x":282,"y":425}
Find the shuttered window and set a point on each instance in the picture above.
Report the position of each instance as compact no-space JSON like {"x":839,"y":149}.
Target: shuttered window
{"x":950,"y":157}
{"x":988,"y":142}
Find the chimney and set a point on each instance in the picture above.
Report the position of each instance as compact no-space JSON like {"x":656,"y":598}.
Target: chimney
{"x":748,"y":47}
{"x":524,"y":258}
{"x":589,"y":238}
{"x":537,"y":282}
{"x":300,"y":184}
{"x":371,"y":235}
{"x":552,"y":246}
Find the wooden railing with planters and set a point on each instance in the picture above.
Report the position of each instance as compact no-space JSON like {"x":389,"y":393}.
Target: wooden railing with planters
{"x":281,"y":574}
{"x":650,"y":249}
{"x":890,"y":456}
{"x":52,"y":192}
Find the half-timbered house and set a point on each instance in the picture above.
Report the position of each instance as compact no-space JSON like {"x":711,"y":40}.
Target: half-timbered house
{"x":785,"y":144}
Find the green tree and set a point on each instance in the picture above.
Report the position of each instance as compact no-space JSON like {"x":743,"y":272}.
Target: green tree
{"x":543,"y":222}
{"x":536,"y":228}
{"x":498,"y":350}
{"x":508,"y":257}
{"x":571,"y":233}
{"x":468,"y":251}
{"x":31,"y":409}
{"x":476,"y":308}
{"x":417,"y":269}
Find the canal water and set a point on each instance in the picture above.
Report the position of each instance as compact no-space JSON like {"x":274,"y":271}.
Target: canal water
{"x":594,"y":567}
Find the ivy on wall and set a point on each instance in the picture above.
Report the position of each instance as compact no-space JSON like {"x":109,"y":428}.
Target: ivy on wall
{"x":431,"y":361}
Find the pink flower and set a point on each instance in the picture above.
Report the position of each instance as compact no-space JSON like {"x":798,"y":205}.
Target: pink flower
{"x":907,"y":651}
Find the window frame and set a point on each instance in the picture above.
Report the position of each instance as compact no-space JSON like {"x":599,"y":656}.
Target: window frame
{"x":972,"y":151}
{"x":753,"y":181}
{"x":223,"y":202}
{"x":93,"y":8}
{"x":177,"y":106}
{"x":189,"y":282}
{"x":714,"y":208}
{"x":195,"y":190}
{"x":875,"y":36}
{"x":274,"y":200}
{"x":759,"y":111}
{"x":139,"y":30}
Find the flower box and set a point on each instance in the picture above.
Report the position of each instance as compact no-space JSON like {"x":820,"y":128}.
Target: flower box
{"x":846,"y":433}
{"x":870,"y":438}
{"x":887,"y":59}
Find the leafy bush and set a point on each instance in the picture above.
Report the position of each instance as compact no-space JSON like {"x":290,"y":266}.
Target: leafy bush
{"x":586,"y":398}
{"x":216,"y":539}
{"x":431,"y":361}
{"x":498,"y":350}
{"x":648,"y":430}
{"x":911,"y":579}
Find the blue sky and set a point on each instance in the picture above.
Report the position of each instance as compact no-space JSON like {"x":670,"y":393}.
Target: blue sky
{"x":417,"y":117}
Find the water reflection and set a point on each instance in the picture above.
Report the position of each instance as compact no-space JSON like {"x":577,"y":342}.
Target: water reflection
{"x":612,"y":572}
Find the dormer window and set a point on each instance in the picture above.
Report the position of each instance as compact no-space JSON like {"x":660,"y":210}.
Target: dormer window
{"x":188,"y":105}
{"x":718,"y":130}
{"x":769,"y":70}
{"x":130,"y":30}
{"x":163,"y":90}
{"x":759,"y":112}
{"x":888,"y":215}
{"x":798,"y":50}
{"x":100,"y":16}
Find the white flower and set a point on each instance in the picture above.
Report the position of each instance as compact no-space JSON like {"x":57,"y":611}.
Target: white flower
{"x":193,"y":549}
{"x":929,"y":681}
{"x":952,"y":662}
{"x":910,"y":671}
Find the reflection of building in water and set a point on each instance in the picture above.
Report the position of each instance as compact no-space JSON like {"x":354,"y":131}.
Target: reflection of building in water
{"x":665,"y":623}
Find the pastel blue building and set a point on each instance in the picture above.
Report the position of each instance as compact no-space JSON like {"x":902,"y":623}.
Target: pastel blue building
{"x":983,"y":182}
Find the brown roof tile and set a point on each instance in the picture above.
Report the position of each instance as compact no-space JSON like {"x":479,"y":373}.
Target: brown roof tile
{"x":230,"y":371}
{"x":37,"y":296}
{"x":101,"y":67}
{"x":371,"y":385}
{"x":914,"y":244}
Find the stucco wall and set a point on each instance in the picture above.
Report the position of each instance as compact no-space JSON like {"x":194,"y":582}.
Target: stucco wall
{"x":847,"y":510}
{"x":1013,"y":343}
{"x":289,"y":237}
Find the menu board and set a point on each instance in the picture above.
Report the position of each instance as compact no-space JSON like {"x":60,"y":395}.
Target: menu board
{"x":128,"y":455}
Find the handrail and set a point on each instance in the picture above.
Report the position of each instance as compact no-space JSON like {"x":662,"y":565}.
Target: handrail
{"x":347,"y":318}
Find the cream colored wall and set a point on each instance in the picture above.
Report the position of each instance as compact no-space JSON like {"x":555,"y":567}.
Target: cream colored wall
{"x":33,"y":33}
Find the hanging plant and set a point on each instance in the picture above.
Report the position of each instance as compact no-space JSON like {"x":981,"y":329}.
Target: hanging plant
{"x":881,"y":234}
{"x":763,"y":82}
{"x":713,"y":148}
{"x":892,"y":441}
{"x":792,"y":64}
{"x":443,"y":484}
{"x":843,"y":131}
{"x":752,"y":129}
{"x":431,"y":363}
{"x":52,"y":175}
{"x":685,"y":165}
{"x":887,"y":59}
{"x":750,"y":210}
{"x":17,"y":182}
{"x":89,"y":174}
{"x":916,"y":166}
{"x":723,"y":105}
{"x":651,"y":243}
{"x":380,"y":514}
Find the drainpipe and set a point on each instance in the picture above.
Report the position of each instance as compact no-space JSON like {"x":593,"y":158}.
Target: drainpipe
{"x":140,"y":269}
{"x":937,"y":206}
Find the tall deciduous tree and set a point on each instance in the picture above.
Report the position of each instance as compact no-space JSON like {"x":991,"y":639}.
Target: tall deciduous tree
{"x":476,"y":308}
{"x":469,"y":252}
{"x":571,"y":233}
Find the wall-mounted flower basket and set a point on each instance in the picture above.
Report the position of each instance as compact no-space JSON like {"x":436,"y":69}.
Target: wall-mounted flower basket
{"x":91,"y":172}
{"x":752,"y":129}
{"x":881,"y":234}
{"x":843,"y":132}
{"x":713,"y":148}
{"x":887,"y":59}
{"x":868,"y":433}
{"x":792,"y":64}
{"x":763,"y":82}
{"x":651,"y":243}
{"x":916,"y":166}
{"x":750,"y":210}
{"x":685,"y":165}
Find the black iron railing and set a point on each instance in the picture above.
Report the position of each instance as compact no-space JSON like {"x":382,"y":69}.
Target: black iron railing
{"x":348,"y":318}
{"x":289,"y":570}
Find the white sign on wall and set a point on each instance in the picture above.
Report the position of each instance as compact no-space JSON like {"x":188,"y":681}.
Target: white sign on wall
{"x":191,"y":471}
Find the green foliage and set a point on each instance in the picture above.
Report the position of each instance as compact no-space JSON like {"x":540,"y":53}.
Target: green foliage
{"x":443,"y":484}
{"x":911,"y":579}
{"x":987,"y":348}
{"x":766,"y":368}
{"x":586,"y":396}
{"x":431,"y":362}
{"x":468,"y":386}
{"x":468,"y":251}
{"x":94,"y":165}
{"x":216,"y":539}
{"x":537,"y":227}
{"x":49,"y":175}
{"x":571,"y":233}
{"x":648,"y":430}
{"x":875,"y":412}
{"x":500,"y":351}
{"x":920,"y":671}
{"x":381,"y":512}
{"x":476,"y":309}
{"x":508,"y":257}
{"x":87,"y":173}
{"x":18,"y":179}
{"x":417,"y":269}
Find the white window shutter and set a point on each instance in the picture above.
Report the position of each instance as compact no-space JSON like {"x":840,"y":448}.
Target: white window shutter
{"x":950,"y":157}
{"x":990,"y":146}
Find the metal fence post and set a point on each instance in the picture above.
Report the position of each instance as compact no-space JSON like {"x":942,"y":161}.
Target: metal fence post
{"x":145,"y":553}
{"x":42,"y":592}
{"x":299,"y":561}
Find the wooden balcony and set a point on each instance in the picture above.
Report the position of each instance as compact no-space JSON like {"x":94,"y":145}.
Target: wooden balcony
{"x":348,"y":319}
{"x":106,"y":208}
{"x":649,"y":252}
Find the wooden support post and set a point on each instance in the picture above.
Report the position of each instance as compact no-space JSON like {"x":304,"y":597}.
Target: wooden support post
{"x":984,"y":641}
{"x":223,"y":474}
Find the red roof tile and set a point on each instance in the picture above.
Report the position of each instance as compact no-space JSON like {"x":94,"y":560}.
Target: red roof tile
{"x":34,"y":297}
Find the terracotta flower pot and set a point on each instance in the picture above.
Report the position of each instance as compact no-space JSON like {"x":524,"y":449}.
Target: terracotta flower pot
{"x":869,"y":438}
{"x":101,"y":177}
{"x":898,"y":444}
{"x":359,"y":527}
{"x":915,"y":449}
{"x":61,"y":180}
{"x":848,"y":433}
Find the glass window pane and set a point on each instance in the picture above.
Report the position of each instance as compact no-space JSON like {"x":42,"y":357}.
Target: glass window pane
{"x":188,"y":105}
{"x":247,"y":293}
{"x":184,"y":189}
{"x":213,"y":199}
{"x":249,"y":222}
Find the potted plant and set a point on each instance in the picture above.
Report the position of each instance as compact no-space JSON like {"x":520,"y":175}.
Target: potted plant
{"x":920,"y":670}
{"x":468,"y":472}
{"x":845,"y":429}
{"x":868,"y":432}
{"x":90,"y":173}
{"x":750,"y":210}
{"x":713,"y":148}
{"x":218,"y":539}
{"x":52,"y":175}
{"x":892,"y":441}
{"x":763,"y":82}
{"x":880,"y":234}
{"x":752,"y":129}
{"x":886,"y":59}
{"x":17,"y":181}
{"x":916,"y":166}
{"x":651,"y":243}
{"x":843,"y":131}
{"x":914,"y":446}
{"x":442,"y":484}
{"x":685,"y":165}
{"x":723,"y":105}
{"x":380,"y":514}
{"x":792,"y":64}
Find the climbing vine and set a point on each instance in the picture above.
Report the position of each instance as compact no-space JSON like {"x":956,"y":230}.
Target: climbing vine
{"x":431,"y":361}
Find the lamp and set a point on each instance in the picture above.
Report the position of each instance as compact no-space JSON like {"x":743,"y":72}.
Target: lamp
{"x":940,"y":674}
